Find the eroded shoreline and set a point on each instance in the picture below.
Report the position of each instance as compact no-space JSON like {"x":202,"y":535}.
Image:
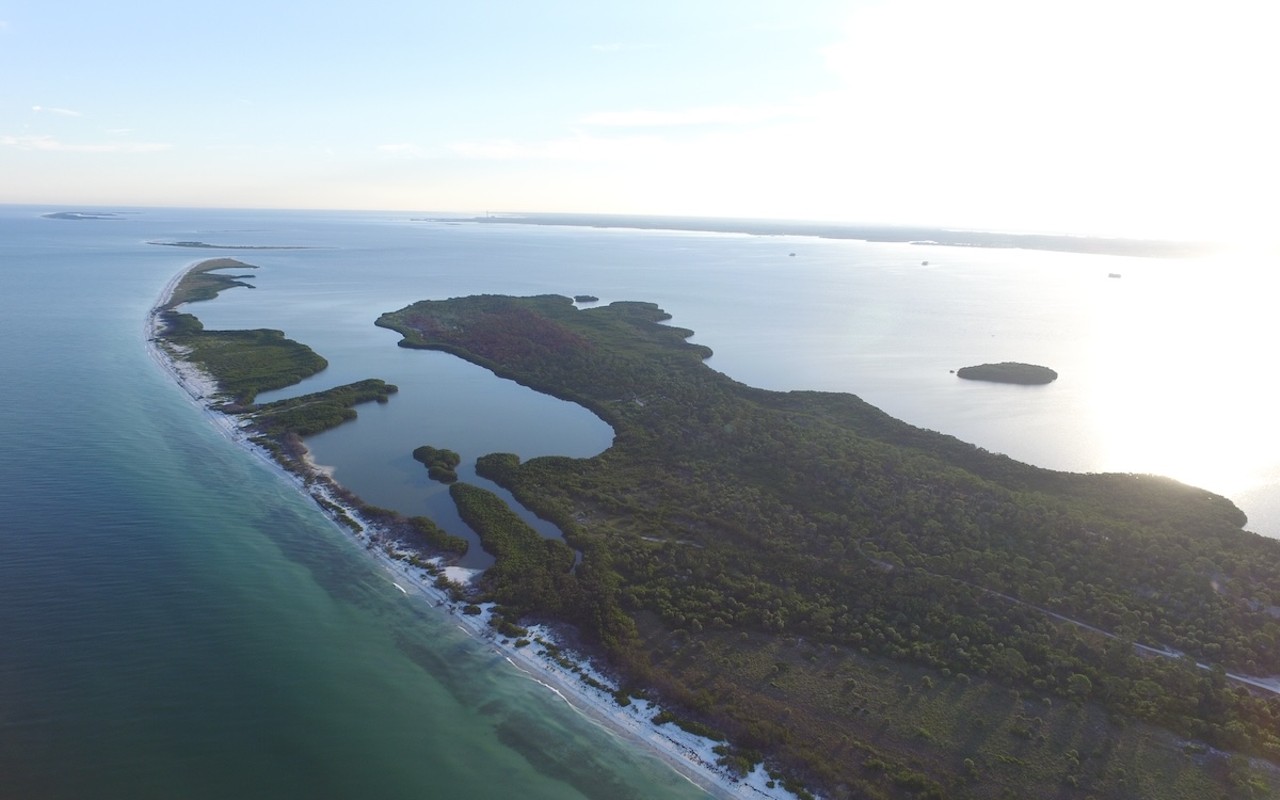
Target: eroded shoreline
{"x":568,"y":675}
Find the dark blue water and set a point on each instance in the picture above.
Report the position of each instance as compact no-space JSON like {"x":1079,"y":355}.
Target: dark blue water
{"x":176,"y":621}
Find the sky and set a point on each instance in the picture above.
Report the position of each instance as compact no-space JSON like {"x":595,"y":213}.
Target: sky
{"x":1124,"y":117}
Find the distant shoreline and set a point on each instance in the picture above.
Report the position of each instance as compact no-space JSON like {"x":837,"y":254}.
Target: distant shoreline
{"x":207,"y":246}
{"x":905,"y":234}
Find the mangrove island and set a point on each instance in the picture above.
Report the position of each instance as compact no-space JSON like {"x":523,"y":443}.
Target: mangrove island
{"x":1009,"y":372}
{"x":867,"y":608}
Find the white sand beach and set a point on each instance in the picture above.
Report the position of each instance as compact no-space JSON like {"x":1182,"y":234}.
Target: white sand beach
{"x":692,"y":756}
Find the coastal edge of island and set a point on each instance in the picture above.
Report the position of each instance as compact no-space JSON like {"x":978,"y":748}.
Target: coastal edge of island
{"x":540,"y":655}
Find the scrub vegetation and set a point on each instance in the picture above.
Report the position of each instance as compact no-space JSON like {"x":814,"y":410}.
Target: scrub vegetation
{"x":441,"y":464}
{"x":245,"y":363}
{"x":873,"y":609}
{"x":202,"y":283}
{"x":1009,"y":372}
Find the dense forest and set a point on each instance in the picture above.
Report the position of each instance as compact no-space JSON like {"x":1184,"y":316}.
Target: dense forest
{"x":872,"y":609}
{"x":875,"y":609}
{"x":1008,"y":372}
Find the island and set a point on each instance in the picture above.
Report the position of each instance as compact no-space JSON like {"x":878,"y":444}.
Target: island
{"x":441,"y":464}
{"x":208,"y":246}
{"x":828,"y":596}
{"x":923,"y":236}
{"x":80,"y":215}
{"x":1009,"y":372}
{"x":585,"y":298}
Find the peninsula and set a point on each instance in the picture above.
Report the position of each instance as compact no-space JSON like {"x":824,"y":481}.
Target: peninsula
{"x":223,"y":370}
{"x":1150,"y":248}
{"x":208,"y":246}
{"x":1009,"y":372}
{"x":860,"y":607}
{"x":82,"y":215}
{"x":871,"y":608}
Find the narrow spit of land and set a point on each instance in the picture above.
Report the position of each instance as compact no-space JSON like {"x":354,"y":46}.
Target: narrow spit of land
{"x":207,"y":246}
{"x":1148,"y":248}
{"x":870,"y":609}
{"x":223,"y":370}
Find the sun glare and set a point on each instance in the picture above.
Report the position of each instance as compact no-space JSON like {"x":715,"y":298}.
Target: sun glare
{"x":1159,"y":377}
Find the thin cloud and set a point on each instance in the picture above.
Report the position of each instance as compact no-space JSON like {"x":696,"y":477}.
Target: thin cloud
{"x":48,"y":144}
{"x":62,"y":112}
{"x":711,"y":115}
{"x":575,"y":148}
{"x":403,"y":149}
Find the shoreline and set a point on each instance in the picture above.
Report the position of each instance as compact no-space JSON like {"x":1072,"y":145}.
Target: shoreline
{"x":692,"y":757}
{"x":922,"y":235}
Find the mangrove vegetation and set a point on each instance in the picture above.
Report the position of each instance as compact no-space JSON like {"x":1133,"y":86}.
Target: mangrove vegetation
{"x":873,"y":609}
{"x":1009,"y":372}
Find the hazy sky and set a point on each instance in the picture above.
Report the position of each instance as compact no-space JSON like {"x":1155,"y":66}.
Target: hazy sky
{"x":1124,"y":116}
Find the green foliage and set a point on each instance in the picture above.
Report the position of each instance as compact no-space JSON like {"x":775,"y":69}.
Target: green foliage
{"x":727,"y":509}
{"x":529,"y":572}
{"x":319,"y":411}
{"x":1008,"y":372}
{"x":201,"y":283}
{"x":177,"y":324}
{"x":437,"y":538}
{"x":689,"y":725}
{"x":246,"y":362}
{"x":441,"y":464}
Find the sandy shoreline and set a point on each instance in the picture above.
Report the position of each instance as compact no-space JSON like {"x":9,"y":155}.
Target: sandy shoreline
{"x":691,"y":756}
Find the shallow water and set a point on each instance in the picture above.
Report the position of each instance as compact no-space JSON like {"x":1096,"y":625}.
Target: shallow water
{"x":178,"y":621}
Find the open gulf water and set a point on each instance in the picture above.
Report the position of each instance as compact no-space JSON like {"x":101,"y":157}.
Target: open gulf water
{"x":176,"y":620}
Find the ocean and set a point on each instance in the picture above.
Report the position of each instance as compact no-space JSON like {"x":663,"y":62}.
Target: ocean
{"x":176,"y":620}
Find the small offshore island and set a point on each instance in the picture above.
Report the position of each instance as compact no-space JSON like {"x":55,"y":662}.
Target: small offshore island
{"x":83,"y":215}
{"x":836,"y":603}
{"x":1009,"y":372}
{"x":208,"y":246}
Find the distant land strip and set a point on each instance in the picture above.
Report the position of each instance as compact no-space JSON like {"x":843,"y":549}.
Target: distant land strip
{"x":206,"y":245}
{"x":1149,"y":248}
{"x":83,"y":215}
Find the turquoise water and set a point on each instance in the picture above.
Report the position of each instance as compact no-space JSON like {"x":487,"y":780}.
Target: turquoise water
{"x":176,"y":621}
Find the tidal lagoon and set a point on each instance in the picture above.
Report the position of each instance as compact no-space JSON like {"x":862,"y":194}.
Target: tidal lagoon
{"x":178,"y":620}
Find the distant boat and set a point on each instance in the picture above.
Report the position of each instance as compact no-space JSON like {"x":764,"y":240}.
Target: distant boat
{"x":924,"y":263}
{"x":1113,"y":274}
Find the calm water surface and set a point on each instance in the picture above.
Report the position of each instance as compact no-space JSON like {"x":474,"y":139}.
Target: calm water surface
{"x":1163,"y":370}
{"x":176,"y":621}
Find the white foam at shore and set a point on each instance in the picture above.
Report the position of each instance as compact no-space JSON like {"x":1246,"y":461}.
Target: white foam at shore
{"x":692,"y":756}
